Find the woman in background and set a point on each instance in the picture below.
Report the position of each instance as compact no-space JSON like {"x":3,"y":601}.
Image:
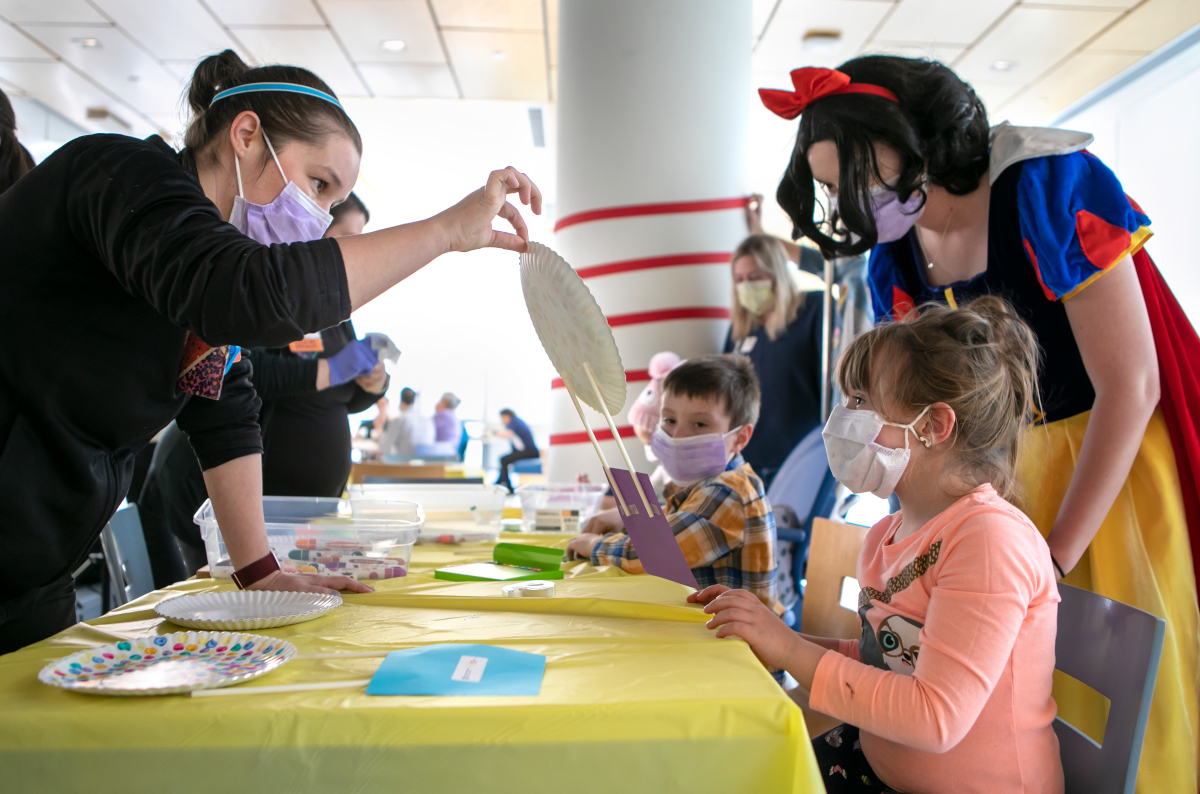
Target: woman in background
{"x":15,"y":160}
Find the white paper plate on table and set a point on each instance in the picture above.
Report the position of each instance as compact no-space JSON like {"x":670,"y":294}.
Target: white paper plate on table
{"x":168,"y":664}
{"x":246,"y":610}
{"x":572,"y":328}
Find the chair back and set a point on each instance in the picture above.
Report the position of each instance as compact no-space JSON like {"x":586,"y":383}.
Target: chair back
{"x":126,"y":557}
{"x":1115,"y":649}
{"x":832,"y":556}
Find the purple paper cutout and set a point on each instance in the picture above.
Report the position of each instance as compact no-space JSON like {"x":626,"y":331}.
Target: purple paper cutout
{"x":651,"y":535}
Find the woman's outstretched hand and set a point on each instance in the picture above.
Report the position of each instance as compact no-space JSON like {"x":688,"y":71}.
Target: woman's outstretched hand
{"x":468,"y":224}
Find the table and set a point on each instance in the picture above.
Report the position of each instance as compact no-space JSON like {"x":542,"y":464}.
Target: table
{"x":638,"y":696}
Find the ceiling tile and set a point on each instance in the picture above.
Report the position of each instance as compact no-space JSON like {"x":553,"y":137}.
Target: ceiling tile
{"x":363,"y":26}
{"x":59,"y":88}
{"x":266,"y":12}
{"x":941,"y":21}
{"x":1034,"y":39}
{"x":495,"y":14}
{"x":1091,"y":3}
{"x":1085,"y":72}
{"x":760,"y":12}
{"x":187,"y":33}
{"x":520,"y":75}
{"x":1150,"y":26}
{"x":315,"y":50}
{"x":780,"y":50}
{"x":994,"y":94}
{"x":117,"y":64}
{"x":77,"y":11}
{"x":399,"y":80}
{"x":934,"y":52}
{"x":14,"y":44}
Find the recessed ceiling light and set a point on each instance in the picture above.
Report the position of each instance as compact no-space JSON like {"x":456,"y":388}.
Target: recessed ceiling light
{"x":89,"y":43}
{"x":133,"y":78}
{"x":821,"y":42}
{"x":393,"y":45}
{"x":499,"y":55}
{"x":1003,"y":66}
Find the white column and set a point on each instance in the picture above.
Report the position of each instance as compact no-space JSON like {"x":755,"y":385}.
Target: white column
{"x":653,"y":101}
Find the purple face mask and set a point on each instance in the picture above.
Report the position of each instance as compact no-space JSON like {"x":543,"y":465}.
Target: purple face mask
{"x":292,"y":217}
{"x":689,"y":460}
{"x":893,"y":219}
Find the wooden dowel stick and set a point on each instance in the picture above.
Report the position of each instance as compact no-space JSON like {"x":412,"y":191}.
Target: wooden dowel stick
{"x":270,"y":690}
{"x":617,"y":437}
{"x":596,"y":446}
{"x":346,"y":655}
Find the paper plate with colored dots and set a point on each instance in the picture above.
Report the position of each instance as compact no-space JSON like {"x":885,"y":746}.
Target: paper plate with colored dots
{"x":169,"y":663}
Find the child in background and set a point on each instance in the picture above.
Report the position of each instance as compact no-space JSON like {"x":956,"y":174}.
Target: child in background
{"x":950,"y":682}
{"x":716,"y":505}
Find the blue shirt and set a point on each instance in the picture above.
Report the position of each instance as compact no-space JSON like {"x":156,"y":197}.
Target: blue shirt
{"x":521,"y":431}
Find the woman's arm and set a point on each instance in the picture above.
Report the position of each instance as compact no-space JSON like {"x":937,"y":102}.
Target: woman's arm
{"x":235,"y":488}
{"x":378,"y":260}
{"x":754,"y":225}
{"x":1112,"y":329}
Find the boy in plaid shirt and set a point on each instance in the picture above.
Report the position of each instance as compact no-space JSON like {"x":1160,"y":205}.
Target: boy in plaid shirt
{"x":715,"y":503}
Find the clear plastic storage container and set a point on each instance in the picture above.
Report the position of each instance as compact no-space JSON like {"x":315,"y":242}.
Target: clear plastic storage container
{"x":323,"y":535}
{"x":558,"y":507}
{"x":467,"y":513}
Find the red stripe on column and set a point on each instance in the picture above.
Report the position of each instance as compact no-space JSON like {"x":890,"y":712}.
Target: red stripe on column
{"x":714,"y":258}
{"x":684,"y":313}
{"x":626,"y":431}
{"x":665,"y":208}
{"x":631,"y":376}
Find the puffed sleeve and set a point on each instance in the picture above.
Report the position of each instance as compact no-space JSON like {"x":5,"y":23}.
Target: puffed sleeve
{"x":1076,"y":221}
{"x":889,"y":299}
{"x":147,"y":220}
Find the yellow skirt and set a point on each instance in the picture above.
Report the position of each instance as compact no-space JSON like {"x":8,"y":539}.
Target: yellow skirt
{"x":1140,"y":556}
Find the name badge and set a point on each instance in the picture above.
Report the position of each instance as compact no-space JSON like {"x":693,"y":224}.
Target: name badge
{"x":747,"y":344}
{"x":311,"y":343}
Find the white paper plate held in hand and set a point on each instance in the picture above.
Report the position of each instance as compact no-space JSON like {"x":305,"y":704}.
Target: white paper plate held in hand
{"x":572,"y":328}
{"x":246,"y":610}
{"x":168,"y":664}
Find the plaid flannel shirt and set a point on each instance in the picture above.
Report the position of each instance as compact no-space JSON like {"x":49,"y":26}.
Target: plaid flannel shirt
{"x":723,"y":525}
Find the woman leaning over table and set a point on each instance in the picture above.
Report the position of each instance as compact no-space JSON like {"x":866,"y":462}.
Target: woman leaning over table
{"x":147,"y":270}
{"x":952,"y":210}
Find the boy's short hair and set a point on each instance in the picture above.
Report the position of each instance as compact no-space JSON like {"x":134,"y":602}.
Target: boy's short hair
{"x":729,"y":378}
{"x":407,"y":396}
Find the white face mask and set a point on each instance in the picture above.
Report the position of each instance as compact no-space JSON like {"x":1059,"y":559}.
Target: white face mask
{"x":856,"y":460}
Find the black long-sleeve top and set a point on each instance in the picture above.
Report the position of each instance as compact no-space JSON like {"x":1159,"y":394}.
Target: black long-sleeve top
{"x":109,"y":254}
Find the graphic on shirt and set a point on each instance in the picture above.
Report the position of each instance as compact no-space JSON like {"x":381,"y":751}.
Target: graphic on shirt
{"x":891,"y":641}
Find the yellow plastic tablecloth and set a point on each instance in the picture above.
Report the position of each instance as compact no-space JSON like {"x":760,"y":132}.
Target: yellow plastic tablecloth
{"x":637,"y":696}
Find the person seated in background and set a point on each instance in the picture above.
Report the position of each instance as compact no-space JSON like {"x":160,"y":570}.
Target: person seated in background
{"x":448,"y":429}
{"x":716,"y":504}
{"x":948,"y":688}
{"x":523,"y":445}
{"x":404,"y":432}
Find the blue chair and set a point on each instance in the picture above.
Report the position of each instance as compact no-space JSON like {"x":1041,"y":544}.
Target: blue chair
{"x":527,"y":466}
{"x":126,"y":557}
{"x":1115,"y":649}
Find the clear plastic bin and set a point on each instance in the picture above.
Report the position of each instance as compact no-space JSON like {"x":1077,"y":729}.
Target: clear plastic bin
{"x":322,"y":535}
{"x":467,"y":513}
{"x":558,"y":507}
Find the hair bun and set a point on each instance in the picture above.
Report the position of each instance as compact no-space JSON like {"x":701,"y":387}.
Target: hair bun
{"x":214,"y":74}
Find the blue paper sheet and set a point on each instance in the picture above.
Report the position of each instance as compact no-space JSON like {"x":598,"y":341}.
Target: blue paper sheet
{"x":459,"y":670}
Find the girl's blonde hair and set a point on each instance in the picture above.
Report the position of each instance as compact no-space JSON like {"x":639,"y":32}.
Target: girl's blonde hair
{"x":980,"y":359}
{"x":768,"y":253}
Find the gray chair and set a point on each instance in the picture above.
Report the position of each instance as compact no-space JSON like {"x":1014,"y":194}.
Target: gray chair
{"x":1113,"y":648}
{"x":126,"y":557}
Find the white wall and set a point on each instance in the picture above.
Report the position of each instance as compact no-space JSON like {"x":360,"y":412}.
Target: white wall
{"x":40,"y":129}
{"x":460,"y":323}
{"x":1147,"y":128}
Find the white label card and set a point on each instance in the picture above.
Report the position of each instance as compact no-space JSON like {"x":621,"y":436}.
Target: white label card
{"x":469,"y":669}
{"x":748,"y":344}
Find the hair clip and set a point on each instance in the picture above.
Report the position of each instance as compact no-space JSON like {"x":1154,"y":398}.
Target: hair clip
{"x":925,"y":441}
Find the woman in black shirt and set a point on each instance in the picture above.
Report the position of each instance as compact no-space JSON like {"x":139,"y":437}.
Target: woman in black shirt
{"x":119,"y":253}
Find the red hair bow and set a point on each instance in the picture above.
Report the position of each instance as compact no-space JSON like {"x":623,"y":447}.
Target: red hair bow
{"x":811,"y":84}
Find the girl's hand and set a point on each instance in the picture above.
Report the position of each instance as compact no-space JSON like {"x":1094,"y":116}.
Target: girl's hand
{"x":707,"y":594}
{"x":468,"y":224}
{"x":309,"y":583}
{"x":738,"y":613}
{"x":604,"y":523}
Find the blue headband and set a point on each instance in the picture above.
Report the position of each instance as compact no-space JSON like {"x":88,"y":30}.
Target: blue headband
{"x":288,"y":88}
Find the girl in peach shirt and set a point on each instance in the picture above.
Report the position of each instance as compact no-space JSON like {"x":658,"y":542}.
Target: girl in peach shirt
{"x":948,"y":689}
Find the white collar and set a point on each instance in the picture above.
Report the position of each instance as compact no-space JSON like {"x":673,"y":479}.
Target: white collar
{"x":1010,"y":145}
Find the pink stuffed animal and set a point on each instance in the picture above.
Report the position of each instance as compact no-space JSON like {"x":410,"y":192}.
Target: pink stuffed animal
{"x":644,"y":413}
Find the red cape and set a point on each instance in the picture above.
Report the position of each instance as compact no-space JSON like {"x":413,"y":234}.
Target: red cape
{"x":1179,"y":370}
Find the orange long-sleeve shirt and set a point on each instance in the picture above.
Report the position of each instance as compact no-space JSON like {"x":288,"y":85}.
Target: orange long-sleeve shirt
{"x":950,"y":682}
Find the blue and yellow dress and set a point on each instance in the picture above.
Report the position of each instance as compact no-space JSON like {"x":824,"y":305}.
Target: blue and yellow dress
{"x":1057,"y":223}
